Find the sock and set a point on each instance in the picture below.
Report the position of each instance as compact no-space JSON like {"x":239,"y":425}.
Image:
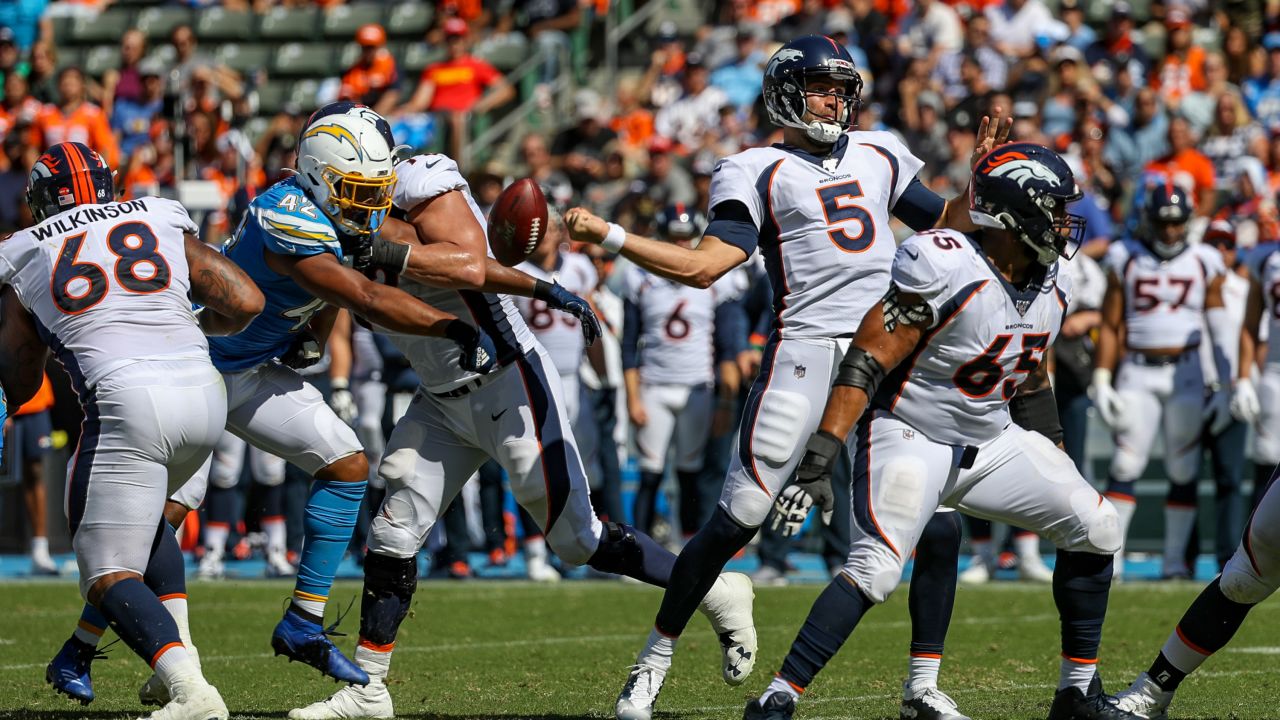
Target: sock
{"x":1077,"y":674}
{"x":375,"y":662}
{"x":1081,"y":584}
{"x":535,"y":548}
{"x":174,"y":666}
{"x":1206,"y":627}
{"x":166,"y":573}
{"x":1120,"y":493}
{"x":645,"y":506}
{"x":697,"y":567}
{"x":91,"y":626}
{"x":1027,"y":546}
{"x":624,"y":550}
{"x":330,"y":516}
{"x":688,"y":480}
{"x":780,"y":686}
{"x":40,"y":548}
{"x":137,"y":616}
{"x":658,"y":649}
{"x":272,"y":519}
{"x":932,"y":596}
{"x":220,"y":510}
{"x":831,"y":620}
{"x":1179,"y":517}
{"x":389,"y":584}
{"x":980,"y":540}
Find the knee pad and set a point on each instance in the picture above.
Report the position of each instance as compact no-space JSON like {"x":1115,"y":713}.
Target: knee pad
{"x":401,"y":526}
{"x":224,"y":475}
{"x":1103,"y":534}
{"x":776,"y":435}
{"x":875,"y":586}
{"x":1126,"y":464}
{"x":396,"y":468}
{"x":267,"y":468}
{"x":1241,"y":582}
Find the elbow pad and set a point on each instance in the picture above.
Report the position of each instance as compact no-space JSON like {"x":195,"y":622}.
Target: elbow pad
{"x":859,"y":369}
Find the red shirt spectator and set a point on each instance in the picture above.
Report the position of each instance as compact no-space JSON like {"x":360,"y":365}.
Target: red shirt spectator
{"x":458,"y":83}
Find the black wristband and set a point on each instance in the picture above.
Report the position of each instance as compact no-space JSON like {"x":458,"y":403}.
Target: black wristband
{"x":389,"y":255}
{"x":1038,"y":412}
{"x":542,"y":290}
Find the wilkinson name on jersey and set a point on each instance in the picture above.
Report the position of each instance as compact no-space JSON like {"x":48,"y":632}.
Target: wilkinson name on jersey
{"x":66,"y":222}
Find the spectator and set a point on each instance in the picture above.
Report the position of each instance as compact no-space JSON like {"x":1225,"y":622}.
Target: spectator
{"x":661,"y":83}
{"x":1080,"y":36}
{"x":11,"y":62}
{"x":458,"y":86}
{"x":1236,"y":49}
{"x":633,"y":122}
{"x":30,"y":438}
{"x":807,"y":20}
{"x":198,"y":82}
{"x":1096,"y":173}
{"x":373,"y":80}
{"x":1129,"y":149}
{"x":1117,"y":50}
{"x":1262,"y":93}
{"x":1059,"y":108}
{"x":1232,"y":135}
{"x":75,"y":119}
{"x":125,"y":83}
{"x":667,"y":183}
{"x":933,"y":26}
{"x":18,"y":110}
{"x":968,"y":112}
{"x":43,"y":78}
{"x":19,"y":156}
{"x":134,"y":119}
{"x":740,"y":78}
{"x":1015,"y":25}
{"x":188,"y":57}
{"x":1187,"y":166}
{"x":579,"y":149}
{"x":537,"y":165}
{"x":1183,"y":70}
{"x":977,"y":44}
{"x":24,"y":19}
{"x":687,"y":119}
{"x":601,"y":197}
{"x":140,"y":175}
{"x":548,"y":24}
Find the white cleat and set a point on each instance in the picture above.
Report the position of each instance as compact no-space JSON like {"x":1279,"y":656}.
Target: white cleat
{"x":371,"y":701}
{"x":928,"y":704}
{"x":769,"y":576}
{"x":1034,"y":570}
{"x":538,"y":570}
{"x":196,"y":700}
{"x":278,"y":566}
{"x":153,"y":692}
{"x":43,"y":565}
{"x":1145,"y":699}
{"x":640,"y":693}
{"x":728,"y":607}
{"x":978,"y":572}
{"x":211,"y":567}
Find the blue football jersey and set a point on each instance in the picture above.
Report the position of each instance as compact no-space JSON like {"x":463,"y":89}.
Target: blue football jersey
{"x":281,"y":220}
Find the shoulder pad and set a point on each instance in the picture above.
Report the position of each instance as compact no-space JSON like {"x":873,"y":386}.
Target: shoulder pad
{"x":176,"y":212}
{"x":292,"y":233}
{"x":423,"y":177}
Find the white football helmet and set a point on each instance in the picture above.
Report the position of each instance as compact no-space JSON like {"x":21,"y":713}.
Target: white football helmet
{"x":345,"y":165}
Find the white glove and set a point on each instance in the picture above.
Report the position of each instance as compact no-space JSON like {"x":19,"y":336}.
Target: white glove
{"x":342,"y":401}
{"x":1111,"y":407}
{"x":1244,"y":402}
{"x":1217,"y":410}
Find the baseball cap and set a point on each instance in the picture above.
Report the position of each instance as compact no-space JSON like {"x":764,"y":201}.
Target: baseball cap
{"x":1220,"y":233}
{"x":151,"y":67}
{"x":455,"y":27}
{"x":668,"y":32}
{"x":1177,"y":18}
{"x":1121,"y":10}
{"x":694,"y":60}
{"x":371,"y":35}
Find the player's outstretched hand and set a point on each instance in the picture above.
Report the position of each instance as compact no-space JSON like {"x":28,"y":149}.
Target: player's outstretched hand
{"x":811,"y":487}
{"x":1112,"y":408}
{"x":1217,"y":410}
{"x":585,"y":226}
{"x":303,"y":353}
{"x":558,"y":298}
{"x":991,"y":134}
{"x":478,"y":351}
{"x":1244,"y":402}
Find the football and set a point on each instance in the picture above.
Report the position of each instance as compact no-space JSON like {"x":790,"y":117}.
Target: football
{"x":517,"y":221}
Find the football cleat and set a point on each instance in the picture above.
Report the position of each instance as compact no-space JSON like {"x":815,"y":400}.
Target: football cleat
{"x":978,"y":572}
{"x":775,"y":706}
{"x":278,"y":565}
{"x":1071,"y":704}
{"x":769,"y":576}
{"x":1145,"y":699}
{"x":353,"y":701}
{"x":1034,"y":570}
{"x":68,"y":671}
{"x":211,"y":567}
{"x":196,"y":700}
{"x":636,"y":700}
{"x":539,"y":570}
{"x":728,"y":607}
{"x":928,"y":704}
{"x":305,"y":641}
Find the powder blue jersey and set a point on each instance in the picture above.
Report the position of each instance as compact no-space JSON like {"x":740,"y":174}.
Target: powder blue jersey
{"x":281,"y":220}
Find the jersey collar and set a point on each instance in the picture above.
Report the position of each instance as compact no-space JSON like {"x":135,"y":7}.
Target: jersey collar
{"x":1022,"y":299}
{"x":837,"y":152}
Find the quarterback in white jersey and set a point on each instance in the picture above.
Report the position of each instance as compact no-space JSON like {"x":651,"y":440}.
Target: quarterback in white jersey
{"x":1257,"y":392}
{"x":108,"y":286}
{"x":949,"y":368}
{"x":457,"y":420}
{"x":1161,"y":295}
{"x":818,"y":207}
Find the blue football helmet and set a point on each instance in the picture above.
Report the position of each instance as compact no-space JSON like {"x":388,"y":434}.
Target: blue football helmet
{"x":1025,"y":188}
{"x":66,"y":175}
{"x":1166,"y":211}
{"x":785,"y":81}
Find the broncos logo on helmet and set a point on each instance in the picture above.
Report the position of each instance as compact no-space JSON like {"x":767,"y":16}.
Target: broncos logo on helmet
{"x":1018,"y":167}
{"x":67,"y":175}
{"x":786,"y":79}
{"x":1024,"y":188}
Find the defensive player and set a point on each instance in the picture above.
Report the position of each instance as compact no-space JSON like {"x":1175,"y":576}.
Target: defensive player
{"x":817,"y":206}
{"x":457,"y":420}
{"x":672,"y":337}
{"x":1161,"y":293}
{"x":1258,"y":401}
{"x":108,"y":287}
{"x":1250,"y":577}
{"x":944,"y":366}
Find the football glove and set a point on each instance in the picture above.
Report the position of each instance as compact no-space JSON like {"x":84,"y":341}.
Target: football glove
{"x":812,"y":485}
{"x":342,"y":401}
{"x":1244,"y":402}
{"x":1112,"y":408}
{"x":478,"y":351}
{"x":558,"y":298}
{"x":303,"y":353}
{"x":1217,"y":409}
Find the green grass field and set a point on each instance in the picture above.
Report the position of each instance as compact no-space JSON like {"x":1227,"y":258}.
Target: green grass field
{"x":514,"y":650}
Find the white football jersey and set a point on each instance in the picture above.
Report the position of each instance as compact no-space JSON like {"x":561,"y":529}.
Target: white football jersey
{"x":435,"y":360}
{"x":987,"y":338}
{"x":677,"y":325}
{"x":1264,"y":266}
{"x":559,"y":332}
{"x":1163,"y":299}
{"x":823,"y":225}
{"x":108,"y":285}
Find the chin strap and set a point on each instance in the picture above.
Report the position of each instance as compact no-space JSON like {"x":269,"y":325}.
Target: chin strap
{"x":823,"y":132}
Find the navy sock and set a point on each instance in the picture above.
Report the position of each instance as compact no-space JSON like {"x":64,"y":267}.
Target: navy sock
{"x":644,"y":507}
{"x":979,"y":529}
{"x":271,"y":501}
{"x":1208,"y":625}
{"x":933,"y":583}
{"x":625,"y":550}
{"x":138,"y":618}
{"x":220,"y":507}
{"x":166,"y":573}
{"x":689,"y":507}
{"x":389,"y":584}
{"x":1182,"y":494}
{"x":697,"y":568}
{"x":1120,"y":488}
{"x":1081,"y":583}
{"x":831,"y":620}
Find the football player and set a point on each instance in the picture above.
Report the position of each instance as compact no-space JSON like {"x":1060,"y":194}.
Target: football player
{"x":516,"y":415}
{"x":1257,"y":401}
{"x":268,"y":472}
{"x":818,"y":207}
{"x":949,"y":369}
{"x":108,"y":287}
{"x":672,"y":337}
{"x":1161,"y":294}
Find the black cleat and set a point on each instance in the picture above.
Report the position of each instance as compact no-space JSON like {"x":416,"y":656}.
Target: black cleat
{"x":1071,"y":704}
{"x":778,"y":706}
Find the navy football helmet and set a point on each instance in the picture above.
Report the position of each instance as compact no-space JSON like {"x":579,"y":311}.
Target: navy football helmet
{"x":65,"y":176}
{"x":1165,"y":214}
{"x":786,"y":77}
{"x":1024,"y":188}
{"x":679,"y":222}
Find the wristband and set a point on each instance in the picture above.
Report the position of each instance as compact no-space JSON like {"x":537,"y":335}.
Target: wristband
{"x":614,"y":241}
{"x":389,"y":255}
{"x":339,"y":383}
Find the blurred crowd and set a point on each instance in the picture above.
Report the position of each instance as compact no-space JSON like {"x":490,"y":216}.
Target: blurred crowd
{"x":1181,"y":90}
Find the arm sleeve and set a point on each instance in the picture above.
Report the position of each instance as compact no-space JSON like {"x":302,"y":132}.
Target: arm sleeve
{"x":919,"y":207}
{"x":632,"y":325}
{"x":731,"y":223}
{"x":730,"y":330}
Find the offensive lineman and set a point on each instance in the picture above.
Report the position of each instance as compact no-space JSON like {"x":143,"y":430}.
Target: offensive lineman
{"x":108,"y":287}
{"x":515,"y":415}
{"x":818,"y":207}
{"x":1258,"y":402}
{"x":945,"y":363}
{"x":1161,"y":293}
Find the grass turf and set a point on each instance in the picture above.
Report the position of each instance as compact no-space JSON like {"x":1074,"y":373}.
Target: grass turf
{"x":515,"y":650}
